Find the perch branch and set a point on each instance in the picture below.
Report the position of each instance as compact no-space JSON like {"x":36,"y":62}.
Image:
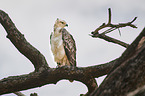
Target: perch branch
{"x":53,"y":75}
{"x":112,"y":27}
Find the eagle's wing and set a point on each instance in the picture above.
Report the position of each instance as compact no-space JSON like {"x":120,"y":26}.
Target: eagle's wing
{"x":69,"y":46}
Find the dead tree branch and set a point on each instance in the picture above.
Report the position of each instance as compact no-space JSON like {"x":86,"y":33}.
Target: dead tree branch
{"x":53,"y":75}
{"x":128,"y":73}
{"x":110,"y":39}
{"x":135,"y":45}
{"x":24,"y":47}
{"x":112,"y":27}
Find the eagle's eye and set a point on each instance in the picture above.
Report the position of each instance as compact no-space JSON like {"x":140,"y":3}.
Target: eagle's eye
{"x":62,"y":22}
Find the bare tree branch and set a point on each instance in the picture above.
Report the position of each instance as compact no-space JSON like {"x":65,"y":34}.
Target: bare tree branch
{"x":24,"y":47}
{"x":109,"y":12}
{"x":97,"y":34}
{"x":53,"y":75}
{"x":128,"y":73}
{"x":126,"y":78}
{"x":130,"y":50}
{"x":110,"y":39}
{"x":120,"y":25}
{"x":109,"y":24}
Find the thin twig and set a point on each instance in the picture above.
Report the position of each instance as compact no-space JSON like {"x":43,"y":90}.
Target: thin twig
{"x":108,"y":31}
{"x":119,"y":32}
{"x":120,"y":25}
{"x":109,"y":11}
{"x":133,"y":20}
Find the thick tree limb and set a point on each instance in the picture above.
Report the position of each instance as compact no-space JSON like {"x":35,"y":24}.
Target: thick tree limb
{"x":50,"y":76}
{"x":37,"y":59}
{"x":53,"y":75}
{"x":130,"y":50}
{"x":128,"y":74}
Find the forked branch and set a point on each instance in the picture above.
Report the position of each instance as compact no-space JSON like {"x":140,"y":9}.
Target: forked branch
{"x":112,"y":27}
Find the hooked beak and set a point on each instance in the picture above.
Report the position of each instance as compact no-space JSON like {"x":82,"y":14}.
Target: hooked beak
{"x":66,"y":25}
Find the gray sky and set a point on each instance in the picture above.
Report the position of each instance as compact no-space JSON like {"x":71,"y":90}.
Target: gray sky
{"x":35,"y":19}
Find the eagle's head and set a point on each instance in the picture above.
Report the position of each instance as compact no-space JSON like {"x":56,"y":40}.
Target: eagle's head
{"x":60,"y":23}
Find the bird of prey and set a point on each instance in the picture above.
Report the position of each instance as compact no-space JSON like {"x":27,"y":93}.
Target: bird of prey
{"x":63,"y":45}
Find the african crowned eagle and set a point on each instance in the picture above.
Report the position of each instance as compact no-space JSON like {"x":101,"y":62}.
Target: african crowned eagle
{"x":63,"y":45}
